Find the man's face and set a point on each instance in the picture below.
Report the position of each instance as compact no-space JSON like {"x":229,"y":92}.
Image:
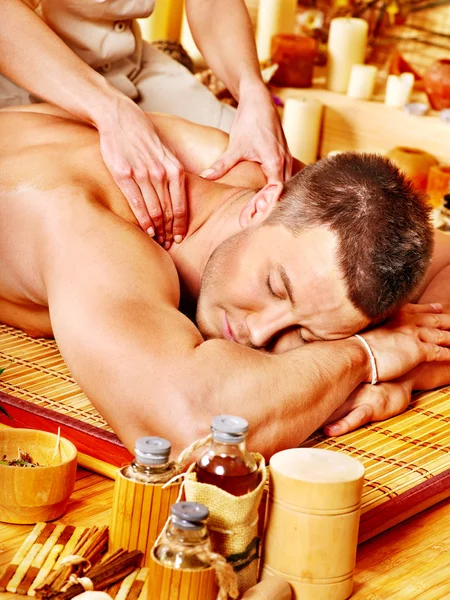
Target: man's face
{"x":266,"y":288}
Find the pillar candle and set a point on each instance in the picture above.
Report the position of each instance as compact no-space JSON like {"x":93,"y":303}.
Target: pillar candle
{"x":398,"y":89}
{"x":164,"y":23}
{"x":274,"y":16}
{"x":347,"y":43}
{"x":362,"y":82}
{"x":301,"y":123}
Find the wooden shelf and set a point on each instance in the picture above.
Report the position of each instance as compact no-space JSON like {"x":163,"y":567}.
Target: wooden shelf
{"x":372,"y":126}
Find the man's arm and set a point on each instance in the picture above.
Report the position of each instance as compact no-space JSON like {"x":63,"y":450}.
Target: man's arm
{"x":113,"y":297}
{"x":367,"y":404}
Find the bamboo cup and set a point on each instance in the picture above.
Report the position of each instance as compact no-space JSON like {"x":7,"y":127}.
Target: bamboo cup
{"x":166,"y":583}
{"x":139,"y":513}
{"x":313,"y":518}
{"x":34,"y":494}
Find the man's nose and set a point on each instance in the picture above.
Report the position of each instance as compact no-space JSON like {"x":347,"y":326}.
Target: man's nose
{"x":262,"y":327}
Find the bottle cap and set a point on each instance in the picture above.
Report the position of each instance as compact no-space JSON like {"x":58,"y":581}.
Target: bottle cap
{"x":189,"y":515}
{"x":152,"y":450}
{"x":229,"y":429}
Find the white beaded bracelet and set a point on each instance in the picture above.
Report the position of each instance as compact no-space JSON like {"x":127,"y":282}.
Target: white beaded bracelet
{"x":373,"y":363}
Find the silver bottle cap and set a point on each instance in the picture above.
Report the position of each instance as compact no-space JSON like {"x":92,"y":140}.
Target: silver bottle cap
{"x":152,"y":450}
{"x":189,"y":515}
{"x":229,"y":429}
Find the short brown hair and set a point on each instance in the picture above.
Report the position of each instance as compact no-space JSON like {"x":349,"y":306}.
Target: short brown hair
{"x":382,"y":222}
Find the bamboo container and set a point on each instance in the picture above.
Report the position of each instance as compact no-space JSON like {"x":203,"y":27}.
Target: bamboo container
{"x":33,"y":494}
{"x":166,"y":583}
{"x":313,"y":519}
{"x":139,"y":513}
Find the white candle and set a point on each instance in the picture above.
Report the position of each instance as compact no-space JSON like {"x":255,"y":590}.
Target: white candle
{"x":274,"y":16}
{"x":398,"y":89}
{"x":347,"y":43}
{"x":362,"y":82}
{"x":164,"y":23}
{"x":302,"y":119}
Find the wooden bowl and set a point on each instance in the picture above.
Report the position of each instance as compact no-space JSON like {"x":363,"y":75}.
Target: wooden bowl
{"x":32,"y":494}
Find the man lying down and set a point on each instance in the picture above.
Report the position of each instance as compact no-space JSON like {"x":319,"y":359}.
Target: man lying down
{"x":283,"y":277}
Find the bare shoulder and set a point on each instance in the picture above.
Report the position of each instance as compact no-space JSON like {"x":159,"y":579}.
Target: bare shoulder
{"x":198,"y":146}
{"x":40,"y":109}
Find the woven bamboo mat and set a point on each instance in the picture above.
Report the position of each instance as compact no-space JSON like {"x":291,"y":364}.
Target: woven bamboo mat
{"x":407,"y":458}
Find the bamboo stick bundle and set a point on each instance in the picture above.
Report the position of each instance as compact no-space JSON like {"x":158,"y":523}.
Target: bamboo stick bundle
{"x":88,"y":551}
{"x":111,"y":569}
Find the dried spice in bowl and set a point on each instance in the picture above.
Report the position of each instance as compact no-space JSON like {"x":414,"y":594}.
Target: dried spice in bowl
{"x":23,"y":460}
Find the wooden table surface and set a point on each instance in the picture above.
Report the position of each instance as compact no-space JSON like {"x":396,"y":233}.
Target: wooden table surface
{"x":410,"y":561}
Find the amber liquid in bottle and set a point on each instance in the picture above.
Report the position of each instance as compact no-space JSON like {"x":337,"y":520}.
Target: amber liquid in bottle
{"x":230,"y":473}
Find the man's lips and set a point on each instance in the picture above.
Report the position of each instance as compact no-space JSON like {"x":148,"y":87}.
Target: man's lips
{"x":226,"y":329}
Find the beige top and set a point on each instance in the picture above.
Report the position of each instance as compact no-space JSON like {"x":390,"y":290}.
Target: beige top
{"x":98,"y":31}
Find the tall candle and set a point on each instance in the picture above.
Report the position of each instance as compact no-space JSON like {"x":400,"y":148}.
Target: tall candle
{"x":302,"y":119}
{"x":362,"y":82}
{"x":398,"y":89}
{"x":164,"y":23}
{"x":274,"y":16}
{"x":347,"y":43}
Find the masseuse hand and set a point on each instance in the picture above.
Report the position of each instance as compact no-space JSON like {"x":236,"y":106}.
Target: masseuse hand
{"x":146,"y":171}
{"x":256,"y":135}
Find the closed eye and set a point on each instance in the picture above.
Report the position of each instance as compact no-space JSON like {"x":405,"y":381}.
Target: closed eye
{"x":271,"y":290}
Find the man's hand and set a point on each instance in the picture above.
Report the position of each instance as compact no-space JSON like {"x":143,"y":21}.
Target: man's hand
{"x":418,"y":333}
{"x":147,"y":172}
{"x":256,"y":135}
{"x":369,"y":403}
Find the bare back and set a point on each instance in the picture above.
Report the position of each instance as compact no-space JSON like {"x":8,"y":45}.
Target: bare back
{"x":50,"y":165}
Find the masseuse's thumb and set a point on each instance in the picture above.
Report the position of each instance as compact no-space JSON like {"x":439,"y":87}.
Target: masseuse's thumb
{"x":221,"y":166}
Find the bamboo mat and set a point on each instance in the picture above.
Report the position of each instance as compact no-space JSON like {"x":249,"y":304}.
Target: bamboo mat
{"x":406,"y":458}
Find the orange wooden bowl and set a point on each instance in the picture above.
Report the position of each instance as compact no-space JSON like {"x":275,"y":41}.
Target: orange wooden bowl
{"x":32,"y":494}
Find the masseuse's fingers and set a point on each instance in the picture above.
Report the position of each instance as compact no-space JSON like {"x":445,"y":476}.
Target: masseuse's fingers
{"x":222,"y":165}
{"x":256,"y":135}
{"x":133,"y":194}
{"x":178,"y":196}
{"x":146,"y":171}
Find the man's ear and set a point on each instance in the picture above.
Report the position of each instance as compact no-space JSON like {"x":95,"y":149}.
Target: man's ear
{"x":258,"y":208}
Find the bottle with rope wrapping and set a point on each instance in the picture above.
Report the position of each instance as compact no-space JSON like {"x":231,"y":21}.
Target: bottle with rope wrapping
{"x":182,"y":560}
{"x":227,"y":463}
{"x":151,"y":463}
{"x":142,"y":497}
{"x":186,"y":537}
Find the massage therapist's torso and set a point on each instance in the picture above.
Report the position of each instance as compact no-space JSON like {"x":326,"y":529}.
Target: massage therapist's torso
{"x":49,"y":162}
